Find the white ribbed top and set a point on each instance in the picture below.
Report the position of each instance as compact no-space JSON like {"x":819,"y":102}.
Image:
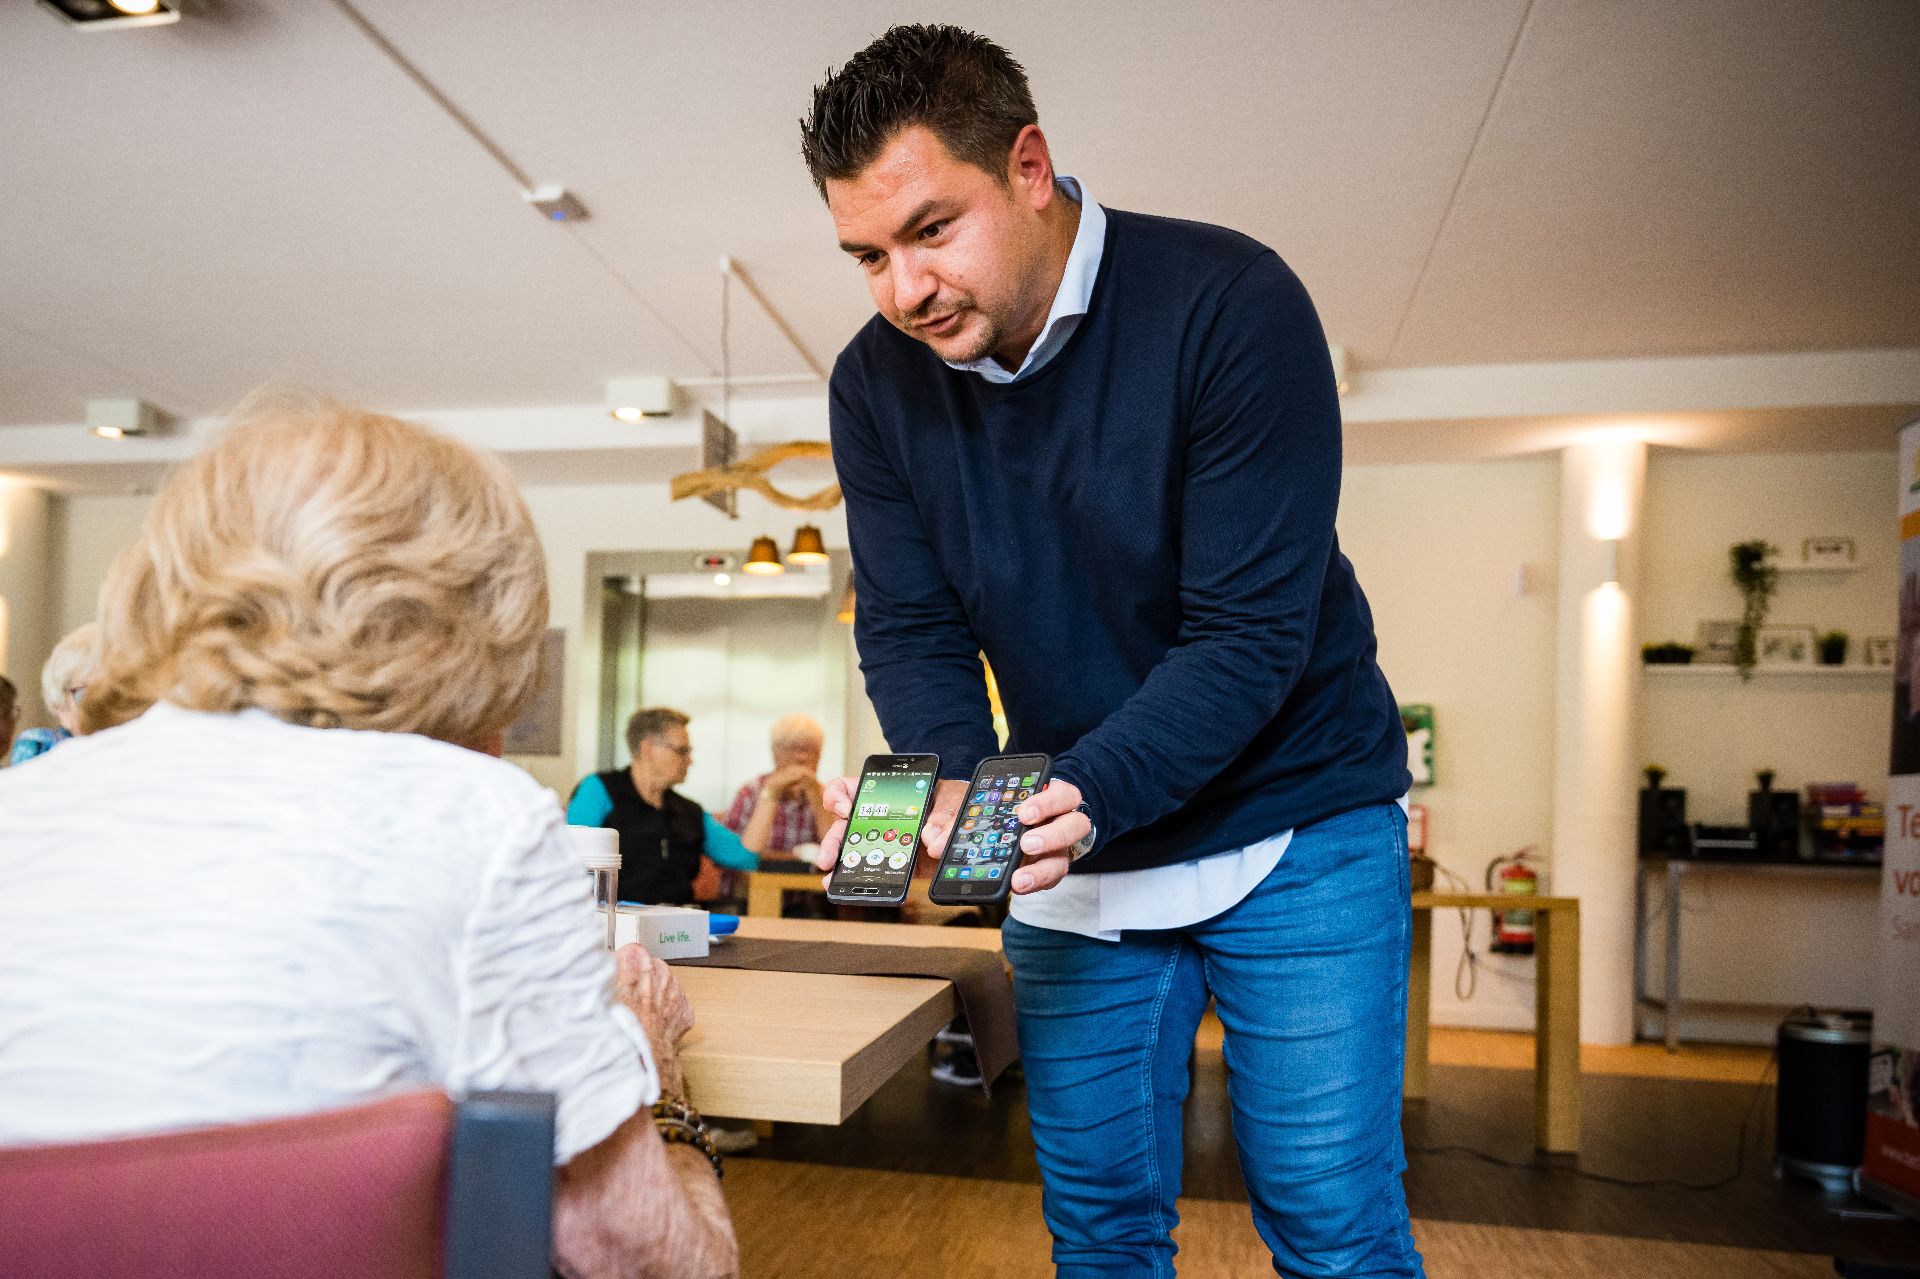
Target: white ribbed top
{"x":212,"y":918}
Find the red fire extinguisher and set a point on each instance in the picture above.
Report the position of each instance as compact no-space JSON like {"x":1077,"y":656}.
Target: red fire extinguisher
{"x":1513,"y":929}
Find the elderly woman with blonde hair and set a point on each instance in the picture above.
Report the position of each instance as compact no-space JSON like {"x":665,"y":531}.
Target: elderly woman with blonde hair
{"x":309,"y":655}
{"x":63,"y":682}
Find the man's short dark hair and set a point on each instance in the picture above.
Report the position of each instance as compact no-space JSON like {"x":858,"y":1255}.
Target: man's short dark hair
{"x":964,"y":88}
{"x":652,"y":721}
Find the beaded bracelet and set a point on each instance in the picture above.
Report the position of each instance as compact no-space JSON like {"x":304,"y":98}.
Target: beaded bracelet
{"x":676,"y":1121}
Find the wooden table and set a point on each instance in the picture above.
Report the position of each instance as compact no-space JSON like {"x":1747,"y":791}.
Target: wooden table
{"x":811,"y":1047}
{"x":1556,"y":1038}
{"x":767,"y":890}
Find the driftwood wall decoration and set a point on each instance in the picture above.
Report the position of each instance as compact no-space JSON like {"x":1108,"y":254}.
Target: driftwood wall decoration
{"x":751,"y":473}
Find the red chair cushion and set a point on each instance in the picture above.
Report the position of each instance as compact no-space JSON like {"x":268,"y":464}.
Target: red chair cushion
{"x":350,"y":1192}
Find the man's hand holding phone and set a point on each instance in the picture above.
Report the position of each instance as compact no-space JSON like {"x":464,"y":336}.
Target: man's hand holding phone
{"x":1052,"y":814}
{"x":1054,"y":825}
{"x":933,"y":834}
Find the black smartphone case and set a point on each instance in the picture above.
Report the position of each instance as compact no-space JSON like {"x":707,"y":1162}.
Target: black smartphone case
{"x":946,"y":892}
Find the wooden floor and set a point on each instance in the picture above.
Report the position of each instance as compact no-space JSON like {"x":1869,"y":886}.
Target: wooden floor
{"x":1513,"y":1050}
{"x":1508,"y":1050}
{"x":927,"y":1226}
{"x":935,"y":1180}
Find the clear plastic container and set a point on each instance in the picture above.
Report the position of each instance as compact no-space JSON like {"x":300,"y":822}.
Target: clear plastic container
{"x":599,"y":852}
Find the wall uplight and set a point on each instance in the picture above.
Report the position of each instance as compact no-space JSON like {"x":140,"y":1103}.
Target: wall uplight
{"x":1610,"y":561}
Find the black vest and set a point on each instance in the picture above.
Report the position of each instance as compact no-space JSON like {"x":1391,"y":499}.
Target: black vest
{"x":660,"y":848}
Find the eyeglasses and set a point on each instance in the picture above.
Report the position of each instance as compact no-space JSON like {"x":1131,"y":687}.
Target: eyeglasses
{"x":684,"y":752}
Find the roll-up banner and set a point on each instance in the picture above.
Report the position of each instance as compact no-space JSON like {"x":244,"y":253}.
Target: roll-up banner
{"x":1890,"y":1170}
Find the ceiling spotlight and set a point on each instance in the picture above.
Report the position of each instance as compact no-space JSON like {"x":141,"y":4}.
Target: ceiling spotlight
{"x":100,"y":15}
{"x":1342,"y":366}
{"x":722,"y":579}
{"x":807,"y":546}
{"x":631,"y":398}
{"x":118,"y":419}
{"x":764,"y":558}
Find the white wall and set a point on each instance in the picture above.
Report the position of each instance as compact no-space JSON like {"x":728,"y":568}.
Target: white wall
{"x":573,"y":520}
{"x":1777,"y":938}
{"x":28,"y":624}
{"x":737,"y":667}
{"x":1439,"y":549}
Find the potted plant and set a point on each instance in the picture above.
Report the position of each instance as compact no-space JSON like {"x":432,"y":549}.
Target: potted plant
{"x":1751,"y":566}
{"x":1765,"y":778}
{"x":1833,"y":648}
{"x":1655,"y":776}
{"x":1666,"y":653}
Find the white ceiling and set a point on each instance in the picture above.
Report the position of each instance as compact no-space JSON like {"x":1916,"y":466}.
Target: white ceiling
{"x":256,"y":192}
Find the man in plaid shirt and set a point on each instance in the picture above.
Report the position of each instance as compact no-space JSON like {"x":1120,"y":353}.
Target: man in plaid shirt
{"x":779,"y":811}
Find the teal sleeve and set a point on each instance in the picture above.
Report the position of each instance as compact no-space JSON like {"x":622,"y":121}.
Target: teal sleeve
{"x":590,"y":803}
{"x":725,"y":848}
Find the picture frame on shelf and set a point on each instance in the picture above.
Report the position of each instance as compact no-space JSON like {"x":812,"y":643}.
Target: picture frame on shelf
{"x":1784,"y":646}
{"x":1827,"y":552}
{"x":1877,"y":650}
{"x":1714,"y":643}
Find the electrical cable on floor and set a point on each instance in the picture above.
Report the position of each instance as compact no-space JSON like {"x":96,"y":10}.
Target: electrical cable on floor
{"x":1634,"y":1183}
{"x":1466,"y":973}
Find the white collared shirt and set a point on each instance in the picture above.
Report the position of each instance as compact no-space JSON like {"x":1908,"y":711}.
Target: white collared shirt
{"x":1070,"y":301}
{"x":1103,"y":906}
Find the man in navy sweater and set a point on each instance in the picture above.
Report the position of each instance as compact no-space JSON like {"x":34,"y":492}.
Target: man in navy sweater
{"x":1103,"y":450}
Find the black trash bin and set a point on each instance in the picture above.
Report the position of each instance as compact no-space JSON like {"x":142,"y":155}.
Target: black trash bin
{"x":1822,"y":1100}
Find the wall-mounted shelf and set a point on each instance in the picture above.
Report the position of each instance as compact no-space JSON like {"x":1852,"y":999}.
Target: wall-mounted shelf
{"x":1714,"y":670}
{"x":1816,"y":568}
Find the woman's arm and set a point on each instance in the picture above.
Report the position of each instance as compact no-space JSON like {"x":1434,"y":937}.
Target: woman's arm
{"x":635,"y":1206}
{"x":759,"y":830}
{"x":726,"y":848}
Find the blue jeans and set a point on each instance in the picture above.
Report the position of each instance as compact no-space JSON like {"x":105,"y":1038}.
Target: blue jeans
{"x":1309,"y":974}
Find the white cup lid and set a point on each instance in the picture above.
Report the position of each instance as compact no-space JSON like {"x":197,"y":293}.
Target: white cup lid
{"x":597,"y":847}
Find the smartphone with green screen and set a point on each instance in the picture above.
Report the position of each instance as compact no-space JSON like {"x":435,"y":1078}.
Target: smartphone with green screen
{"x":890,"y":805}
{"x":984,"y":846}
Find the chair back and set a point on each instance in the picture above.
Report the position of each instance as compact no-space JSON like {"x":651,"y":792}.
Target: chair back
{"x":383,"y":1191}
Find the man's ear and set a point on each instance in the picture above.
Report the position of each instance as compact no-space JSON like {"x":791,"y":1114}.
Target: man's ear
{"x":1030,"y":168}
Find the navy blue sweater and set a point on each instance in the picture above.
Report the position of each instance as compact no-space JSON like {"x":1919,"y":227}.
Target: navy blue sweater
{"x":1139,"y":536}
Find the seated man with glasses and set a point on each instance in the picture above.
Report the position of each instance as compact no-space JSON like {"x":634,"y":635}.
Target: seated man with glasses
{"x":663,"y":834}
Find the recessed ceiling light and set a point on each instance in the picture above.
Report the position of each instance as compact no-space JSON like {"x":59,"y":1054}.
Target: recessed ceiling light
{"x":99,"y":15}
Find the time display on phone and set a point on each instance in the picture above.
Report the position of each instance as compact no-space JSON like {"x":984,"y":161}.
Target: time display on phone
{"x":883,"y":830}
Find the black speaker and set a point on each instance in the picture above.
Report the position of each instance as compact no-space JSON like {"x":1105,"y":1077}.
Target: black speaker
{"x":1774,"y":816}
{"x":1663,"y":822}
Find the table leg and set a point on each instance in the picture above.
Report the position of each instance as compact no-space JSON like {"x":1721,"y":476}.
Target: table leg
{"x":1556,"y":1061}
{"x":1670,"y":1020}
{"x":1419,"y":1005}
{"x":764,"y":895}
